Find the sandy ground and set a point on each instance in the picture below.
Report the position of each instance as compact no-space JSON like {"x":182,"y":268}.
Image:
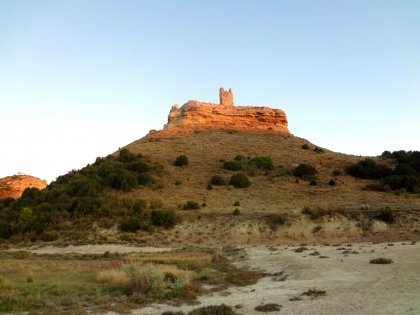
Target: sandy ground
{"x":352,"y":284}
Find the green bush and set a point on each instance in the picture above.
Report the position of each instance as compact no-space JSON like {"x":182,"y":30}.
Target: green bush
{"x":332,"y":182}
{"x":313,"y":182}
{"x":236,"y":212}
{"x":239,"y":181}
{"x":145,"y":179}
{"x":191,"y":205}
{"x":262,"y":162}
{"x":305,"y":146}
{"x":386,"y":215}
{"x":319,"y":150}
{"x":5,"y":229}
{"x":181,"y":160}
{"x":304,"y":171}
{"x":236,"y":204}
{"x":209,"y":186}
{"x":240,"y":158}
{"x":368,"y":168}
{"x":232,"y":165}
{"x":131,"y":224}
{"x":217,"y":180}
{"x":165,"y":218}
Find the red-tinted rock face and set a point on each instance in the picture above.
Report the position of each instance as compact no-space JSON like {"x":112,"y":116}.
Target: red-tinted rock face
{"x":196,"y":115}
{"x":13,"y":186}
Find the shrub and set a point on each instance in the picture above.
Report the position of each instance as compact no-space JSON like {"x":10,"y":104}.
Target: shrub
{"x":270,"y":307}
{"x":240,"y":158}
{"x":217,"y":180}
{"x":262,"y":162}
{"x":191,"y":205}
{"x":165,"y":218}
{"x":314,"y":293}
{"x":131,"y":224}
{"x":209,"y":186}
{"x":232,"y":165}
{"x":319,"y":150}
{"x":368,"y":168}
{"x":239,"y":181}
{"x":213,"y":310}
{"x":386,"y":215}
{"x":276,"y":219}
{"x":332,"y":182}
{"x":305,"y":146}
{"x":126,"y":156}
{"x":25,"y":214}
{"x":138,"y":206}
{"x":5,"y":230}
{"x":316,"y":213}
{"x":304,"y":171}
{"x":236,"y":204}
{"x":381,"y":261}
{"x":313,"y":182}
{"x":336,"y":173}
{"x":236,"y":212}
{"x":181,"y":160}
{"x":145,"y":179}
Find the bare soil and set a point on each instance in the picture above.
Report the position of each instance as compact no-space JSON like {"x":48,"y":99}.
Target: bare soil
{"x":352,"y":284}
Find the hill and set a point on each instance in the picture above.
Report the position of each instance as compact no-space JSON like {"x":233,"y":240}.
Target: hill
{"x":181,"y":185}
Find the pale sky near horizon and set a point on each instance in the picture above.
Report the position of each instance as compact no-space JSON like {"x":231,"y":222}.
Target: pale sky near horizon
{"x":79,"y":79}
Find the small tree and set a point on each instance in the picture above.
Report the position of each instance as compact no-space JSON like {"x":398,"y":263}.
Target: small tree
{"x":232,"y":165}
{"x":304,"y":171}
{"x":217,"y":180}
{"x":239,"y":181}
{"x":181,"y":160}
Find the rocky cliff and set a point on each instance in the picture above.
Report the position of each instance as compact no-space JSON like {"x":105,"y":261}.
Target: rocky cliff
{"x":195,"y":115}
{"x":13,"y":186}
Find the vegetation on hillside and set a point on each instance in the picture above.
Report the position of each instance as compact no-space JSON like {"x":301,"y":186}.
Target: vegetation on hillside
{"x":405,"y":175}
{"x":86,"y":193}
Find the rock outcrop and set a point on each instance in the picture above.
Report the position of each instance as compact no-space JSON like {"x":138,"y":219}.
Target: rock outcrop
{"x":195,"y":115}
{"x":13,"y":186}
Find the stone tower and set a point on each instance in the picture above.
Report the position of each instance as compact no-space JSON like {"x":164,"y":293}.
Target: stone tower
{"x":226,"y":97}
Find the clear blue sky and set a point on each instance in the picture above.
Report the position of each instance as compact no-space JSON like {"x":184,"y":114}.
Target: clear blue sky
{"x":78,"y":79}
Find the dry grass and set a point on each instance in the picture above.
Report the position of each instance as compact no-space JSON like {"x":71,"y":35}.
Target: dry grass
{"x":113,"y":276}
{"x":191,"y":259}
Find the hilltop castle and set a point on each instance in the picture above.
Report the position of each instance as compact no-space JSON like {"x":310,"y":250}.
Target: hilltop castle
{"x":195,"y":115}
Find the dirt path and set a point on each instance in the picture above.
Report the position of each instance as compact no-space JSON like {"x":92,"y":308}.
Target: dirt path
{"x":352,"y":284}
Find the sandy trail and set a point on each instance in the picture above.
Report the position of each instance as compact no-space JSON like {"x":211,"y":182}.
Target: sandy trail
{"x":353,"y":285}
{"x":90,"y":249}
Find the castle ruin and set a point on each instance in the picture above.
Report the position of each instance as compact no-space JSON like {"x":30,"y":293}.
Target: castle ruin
{"x":226,"y":97}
